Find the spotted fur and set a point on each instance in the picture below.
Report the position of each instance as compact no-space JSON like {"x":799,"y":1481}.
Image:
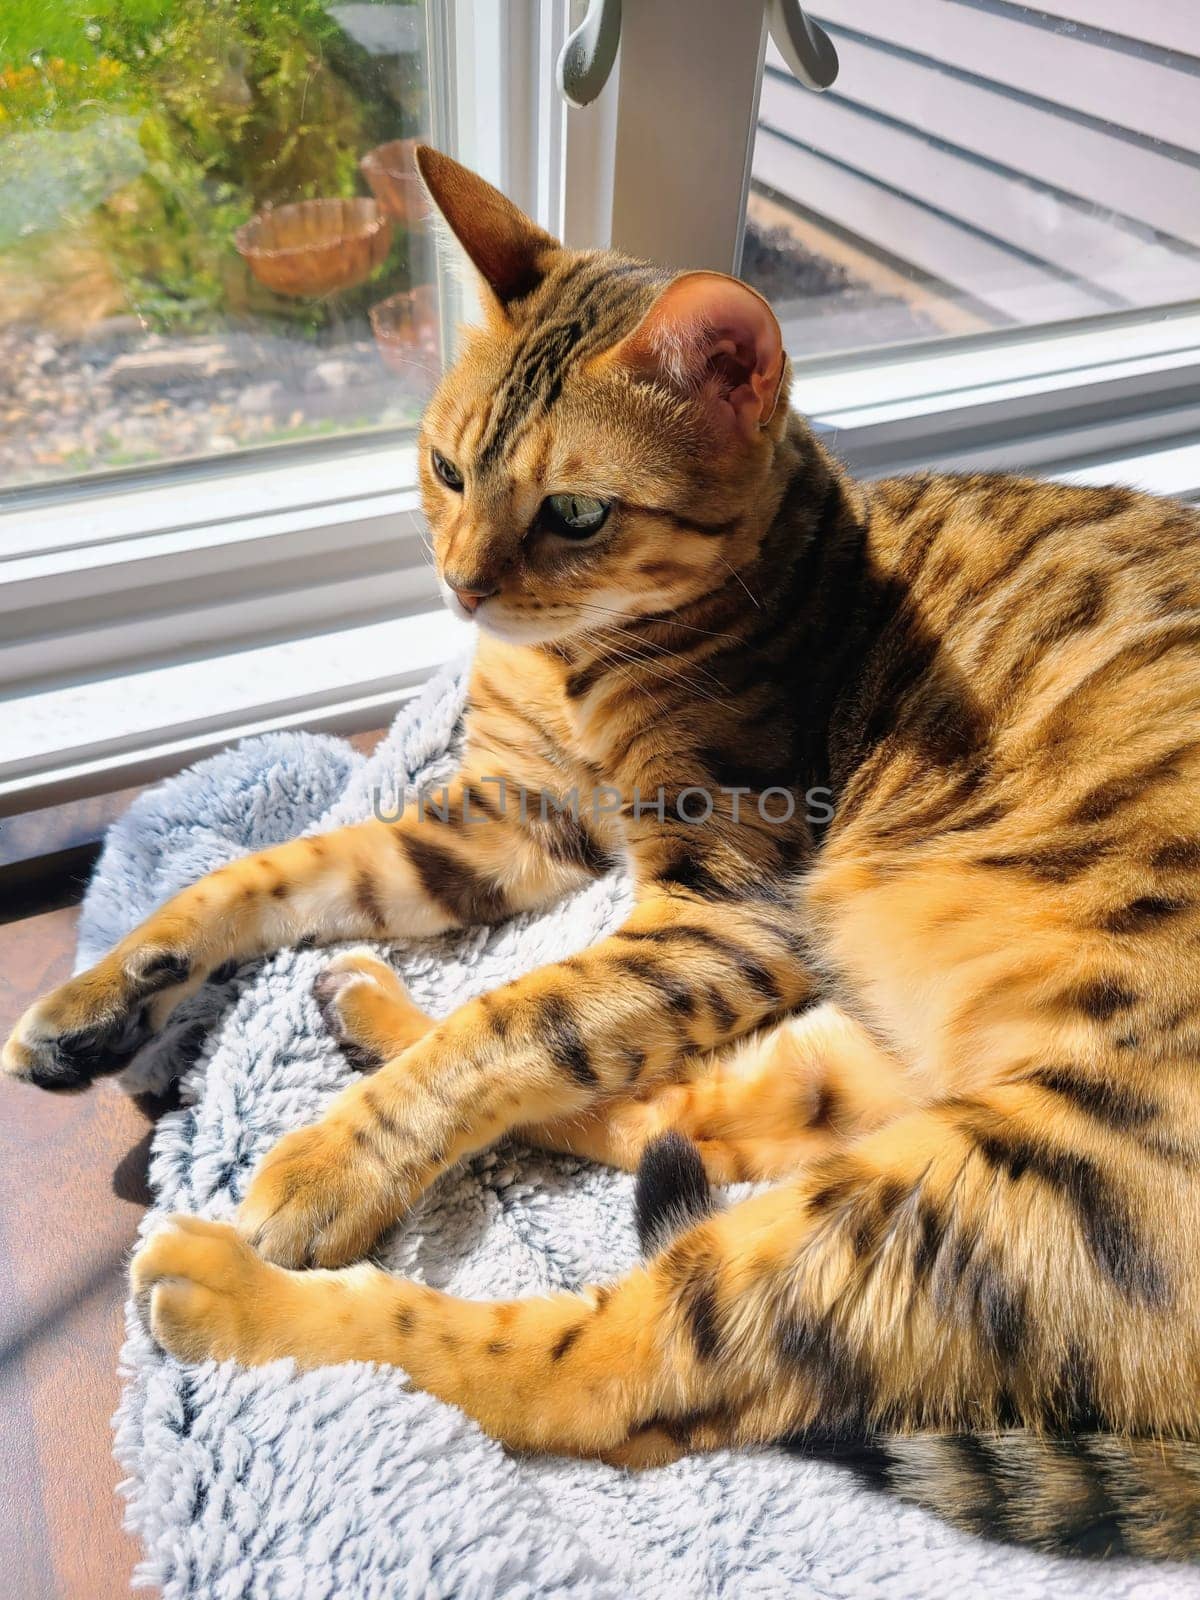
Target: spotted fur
{"x":950,"y":1003}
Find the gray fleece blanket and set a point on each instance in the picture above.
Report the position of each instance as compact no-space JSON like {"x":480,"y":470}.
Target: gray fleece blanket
{"x":344,"y":1484}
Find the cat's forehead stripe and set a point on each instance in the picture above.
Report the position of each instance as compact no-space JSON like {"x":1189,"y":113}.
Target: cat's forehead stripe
{"x":587,"y":322}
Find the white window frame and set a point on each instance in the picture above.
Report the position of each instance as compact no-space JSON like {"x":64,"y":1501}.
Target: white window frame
{"x":341,"y":620}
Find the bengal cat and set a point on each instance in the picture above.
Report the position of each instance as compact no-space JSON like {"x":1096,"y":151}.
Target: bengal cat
{"x":932,"y":962}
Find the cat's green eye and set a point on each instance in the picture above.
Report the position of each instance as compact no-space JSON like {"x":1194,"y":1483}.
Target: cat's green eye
{"x":447,"y":471}
{"x":573,"y":516}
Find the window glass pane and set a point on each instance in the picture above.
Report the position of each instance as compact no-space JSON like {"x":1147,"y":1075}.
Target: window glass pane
{"x":209,"y":229}
{"x":979,"y":165}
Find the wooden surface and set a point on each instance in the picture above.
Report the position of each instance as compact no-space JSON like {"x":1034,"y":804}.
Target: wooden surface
{"x":72,"y":1186}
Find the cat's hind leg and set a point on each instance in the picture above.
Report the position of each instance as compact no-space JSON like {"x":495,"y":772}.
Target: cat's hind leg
{"x":760,"y":1110}
{"x":764,"y":1109}
{"x":948,"y":1270}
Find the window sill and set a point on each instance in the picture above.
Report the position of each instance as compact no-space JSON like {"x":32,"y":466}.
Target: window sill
{"x":122,"y":730}
{"x":149,"y":622}
{"x":1042,"y":401}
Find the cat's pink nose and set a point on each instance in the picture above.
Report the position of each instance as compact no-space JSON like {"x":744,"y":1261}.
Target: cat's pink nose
{"x":472,"y":599}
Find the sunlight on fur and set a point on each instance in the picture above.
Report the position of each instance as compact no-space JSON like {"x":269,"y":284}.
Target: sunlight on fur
{"x":952,"y":1023}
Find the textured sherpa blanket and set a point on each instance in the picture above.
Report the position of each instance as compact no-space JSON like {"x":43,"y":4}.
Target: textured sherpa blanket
{"x":343,"y":1483}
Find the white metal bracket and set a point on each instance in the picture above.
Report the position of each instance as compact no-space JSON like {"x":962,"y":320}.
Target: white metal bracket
{"x":587,"y":57}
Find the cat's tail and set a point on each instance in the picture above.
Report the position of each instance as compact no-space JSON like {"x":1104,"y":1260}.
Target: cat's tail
{"x":1087,"y":1494}
{"x":1083,"y":1494}
{"x":671,"y":1192}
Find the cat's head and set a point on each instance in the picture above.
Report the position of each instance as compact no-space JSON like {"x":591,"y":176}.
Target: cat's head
{"x":599,"y":449}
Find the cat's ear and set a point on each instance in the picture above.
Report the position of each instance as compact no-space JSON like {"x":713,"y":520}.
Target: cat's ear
{"x":714,"y":338}
{"x":509,"y":250}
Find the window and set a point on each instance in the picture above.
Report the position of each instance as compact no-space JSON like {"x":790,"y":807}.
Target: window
{"x":978,"y":166}
{"x":975,"y":343}
{"x":983,"y":239}
{"x":211,"y":235}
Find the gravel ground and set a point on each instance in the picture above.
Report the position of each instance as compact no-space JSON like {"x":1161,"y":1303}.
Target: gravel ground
{"x":120,"y":396}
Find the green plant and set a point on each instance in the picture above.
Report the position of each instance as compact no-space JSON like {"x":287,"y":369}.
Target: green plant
{"x":168,"y":235}
{"x":240,"y":104}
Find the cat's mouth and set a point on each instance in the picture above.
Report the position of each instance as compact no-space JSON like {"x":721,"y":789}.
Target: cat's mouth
{"x":509,"y":620}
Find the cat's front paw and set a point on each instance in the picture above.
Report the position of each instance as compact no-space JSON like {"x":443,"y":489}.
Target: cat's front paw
{"x":367,"y":1009}
{"x":320,"y":1198}
{"x":94,"y":1023}
{"x":203,"y":1293}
